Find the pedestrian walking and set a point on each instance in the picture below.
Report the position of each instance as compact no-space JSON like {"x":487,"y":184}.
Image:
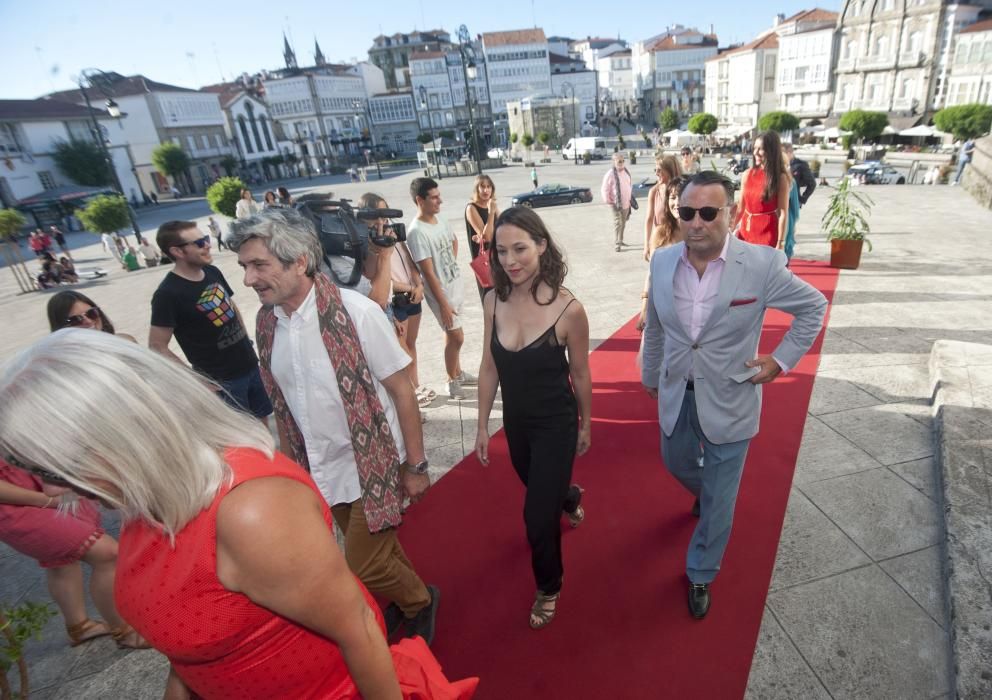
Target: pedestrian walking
{"x":617,"y":190}
{"x":546,"y":389}
{"x":434,"y":248}
{"x":246,"y":206}
{"x":480,"y":218}
{"x":60,"y":241}
{"x":701,"y":361}
{"x":763,"y":216}
{"x":533,"y":176}
{"x":964,"y":157}
{"x":214,"y":228}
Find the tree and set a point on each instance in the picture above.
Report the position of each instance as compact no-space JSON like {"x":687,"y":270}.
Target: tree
{"x":964,"y":121}
{"x":223,"y":195}
{"x":18,"y":624}
{"x":514,"y":137}
{"x":544,"y":137}
{"x":668,"y":119}
{"x":527,"y":140}
{"x":779,"y":122}
{"x":169,"y":159}
{"x":105,"y":214}
{"x":423,"y":137}
{"x":11,"y":221}
{"x":229,"y":163}
{"x":446,"y":134}
{"x":864,"y":124}
{"x":703,"y":123}
{"x":82,"y":162}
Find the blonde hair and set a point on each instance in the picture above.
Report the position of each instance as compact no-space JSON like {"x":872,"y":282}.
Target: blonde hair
{"x":138,"y":431}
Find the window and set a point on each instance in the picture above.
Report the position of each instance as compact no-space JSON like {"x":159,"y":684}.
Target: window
{"x":47,"y":181}
{"x":8,"y":139}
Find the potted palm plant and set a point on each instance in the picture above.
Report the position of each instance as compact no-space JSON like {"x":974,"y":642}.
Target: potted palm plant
{"x":846,"y":225}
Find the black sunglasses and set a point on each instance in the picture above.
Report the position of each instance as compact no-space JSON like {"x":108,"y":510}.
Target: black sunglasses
{"x":92,"y":313}
{"x":39,"y":472}
{"x":705,"y":213}
{"x":199,"y":242}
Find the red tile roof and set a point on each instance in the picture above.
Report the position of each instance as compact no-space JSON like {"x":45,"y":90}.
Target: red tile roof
{"x":811,"y":16}
{"x":671,"y":43}
{"x":514,"y":38}
{"x":119,"y":86}
{"x":983,"y":26}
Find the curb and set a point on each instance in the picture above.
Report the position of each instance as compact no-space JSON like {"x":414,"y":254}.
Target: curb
{"x":961,"y":384}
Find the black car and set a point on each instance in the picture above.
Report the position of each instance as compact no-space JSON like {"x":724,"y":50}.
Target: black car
{"x":550,"y":195}
{"x":642,"y":188}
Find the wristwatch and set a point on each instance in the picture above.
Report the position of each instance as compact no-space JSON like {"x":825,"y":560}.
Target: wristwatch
{"x":418,"y":468}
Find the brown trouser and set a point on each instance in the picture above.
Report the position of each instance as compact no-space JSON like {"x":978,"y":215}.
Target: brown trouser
{"x":378,"y":560}
{"x":620,"y":217}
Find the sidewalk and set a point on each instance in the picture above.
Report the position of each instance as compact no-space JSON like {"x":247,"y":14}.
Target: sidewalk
{"x":856,"y":603}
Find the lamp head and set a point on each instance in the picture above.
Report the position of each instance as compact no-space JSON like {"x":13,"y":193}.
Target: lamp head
{"x":113,"y":109}
{"x":471,"y":70}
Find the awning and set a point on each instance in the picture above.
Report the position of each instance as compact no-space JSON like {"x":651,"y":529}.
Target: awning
{"x":921,"y":131}
{"x":68,"y":194}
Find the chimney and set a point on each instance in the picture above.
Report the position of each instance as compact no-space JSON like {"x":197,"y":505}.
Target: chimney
{"x":779,"y":18}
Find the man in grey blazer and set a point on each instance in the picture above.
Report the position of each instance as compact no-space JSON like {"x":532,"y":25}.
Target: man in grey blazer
{"x":706,"y":304}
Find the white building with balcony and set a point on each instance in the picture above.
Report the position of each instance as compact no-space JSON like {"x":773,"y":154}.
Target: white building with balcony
{"x":740,"y":83}
{"x":669,"y":70}
{"x":29,"y":133}
{"x":250,"y":129}
{"x":895,"y":56}
{"x":970,"y":78}
{"x":807,"y":48}
{"x":394,"y":121}
{"x":616,"y":76}
{"x":440,"y":77}
{"x":518,"y":65}
{"x":157,"y":113}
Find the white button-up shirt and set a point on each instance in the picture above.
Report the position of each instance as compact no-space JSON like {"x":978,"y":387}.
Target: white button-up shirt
{"x":303,"y":370}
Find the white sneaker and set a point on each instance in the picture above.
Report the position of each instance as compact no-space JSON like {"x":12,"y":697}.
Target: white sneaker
{"x":455,"y":390}
{"x":468,"y":379}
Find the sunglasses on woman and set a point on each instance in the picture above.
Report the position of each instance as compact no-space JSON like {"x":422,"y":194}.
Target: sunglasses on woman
{"x":707,"y":214}
{"x":43,"y":474}
{"x":92,"y":313}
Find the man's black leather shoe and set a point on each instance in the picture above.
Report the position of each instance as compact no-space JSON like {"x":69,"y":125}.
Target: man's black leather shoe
{"x":699,"y":600}
{"x":695,"y":509}
{"x":422,"y":625}
{"x":392,"y":616}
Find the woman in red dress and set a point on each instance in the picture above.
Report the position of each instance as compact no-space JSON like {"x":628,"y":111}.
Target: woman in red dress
{"x":763,"y":212}
{"x":227,"y":561}
{"x":38,"y":521}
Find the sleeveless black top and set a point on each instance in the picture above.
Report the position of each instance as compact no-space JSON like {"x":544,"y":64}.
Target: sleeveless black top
{"x":483,"y":213}
{"x":534,"y":379}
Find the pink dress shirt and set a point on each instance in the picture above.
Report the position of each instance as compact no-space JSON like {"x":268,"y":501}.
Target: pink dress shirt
{"x":695,"y":296}
{"x":609,"y":189}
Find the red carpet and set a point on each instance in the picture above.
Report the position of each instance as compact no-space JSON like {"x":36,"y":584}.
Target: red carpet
{"x":622,"y":630}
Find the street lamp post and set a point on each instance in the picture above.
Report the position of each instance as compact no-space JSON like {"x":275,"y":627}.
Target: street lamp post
{"x":358,"y":104}
{"x":575,"y":150}
{"x":469,"y":71}
{"x":115,"y":113}
{"x":425,"y":104}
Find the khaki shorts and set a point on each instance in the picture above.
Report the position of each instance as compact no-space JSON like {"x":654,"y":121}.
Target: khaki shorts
{"x":456,"y":295}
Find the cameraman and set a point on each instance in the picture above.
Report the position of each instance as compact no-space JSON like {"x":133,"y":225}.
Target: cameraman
{"x":336,"y":375}
{"x":404,"y":295}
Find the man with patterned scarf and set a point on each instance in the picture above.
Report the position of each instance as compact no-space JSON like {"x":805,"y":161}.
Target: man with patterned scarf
{"x":344,"y":406}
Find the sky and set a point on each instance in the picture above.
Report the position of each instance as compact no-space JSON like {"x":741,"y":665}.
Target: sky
{"x":44,"y":44}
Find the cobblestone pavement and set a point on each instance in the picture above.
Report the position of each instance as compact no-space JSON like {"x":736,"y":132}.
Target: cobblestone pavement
{"x":855,"y":607}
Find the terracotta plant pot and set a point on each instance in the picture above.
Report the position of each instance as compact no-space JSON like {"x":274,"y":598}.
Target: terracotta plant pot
{"x":845,"y":254}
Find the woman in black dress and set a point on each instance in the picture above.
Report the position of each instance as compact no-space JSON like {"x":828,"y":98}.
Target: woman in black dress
{"x":537,"y":349}
{"x":480,"y":215}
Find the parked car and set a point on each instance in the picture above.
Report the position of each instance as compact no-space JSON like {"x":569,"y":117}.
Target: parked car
{"x":550,"y":195}
{"x":642,"y":188}
{"x":875,"y":173}
{"x":497,"y":153}
{"x":578,"y":147}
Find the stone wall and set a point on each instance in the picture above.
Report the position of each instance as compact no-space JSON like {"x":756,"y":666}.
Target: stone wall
{"x":977,"y":177}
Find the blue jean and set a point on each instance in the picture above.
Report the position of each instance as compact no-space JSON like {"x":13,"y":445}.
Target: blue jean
{"x":961,"y":165}
{"x":711,"y":473}
{"x":247,"y":393}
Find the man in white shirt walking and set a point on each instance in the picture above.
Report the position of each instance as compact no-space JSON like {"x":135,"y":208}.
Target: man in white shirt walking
{"x":344,"y":406}
{"x":616,"y":191}
{"x":434,"y":248}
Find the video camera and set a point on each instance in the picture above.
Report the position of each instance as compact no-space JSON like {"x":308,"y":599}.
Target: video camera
{"x":346,"y":231}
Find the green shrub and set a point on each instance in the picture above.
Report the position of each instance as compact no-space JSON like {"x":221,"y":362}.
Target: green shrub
{"x":703,"y":123}
{"x":105,"y":214}
{"x":778,"y":121}
{"x":11,"y":222}
{"x":964,"y":121}
{"x":864,"y":124}
{"x":223,"y":195}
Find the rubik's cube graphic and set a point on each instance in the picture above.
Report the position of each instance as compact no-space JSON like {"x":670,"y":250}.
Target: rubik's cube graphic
{"x":213,"y":303}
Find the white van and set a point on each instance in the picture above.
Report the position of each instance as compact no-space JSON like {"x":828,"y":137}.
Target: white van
{"x":593,"y":145}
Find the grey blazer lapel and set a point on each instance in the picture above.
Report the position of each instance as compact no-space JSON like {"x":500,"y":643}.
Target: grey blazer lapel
{"x":733,"y":272}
